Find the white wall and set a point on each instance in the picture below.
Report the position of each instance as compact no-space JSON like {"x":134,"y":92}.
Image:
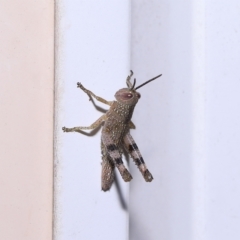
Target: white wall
{"x":188,"y":121}
{"x":93,"y":47}
{"x":161,"y":43}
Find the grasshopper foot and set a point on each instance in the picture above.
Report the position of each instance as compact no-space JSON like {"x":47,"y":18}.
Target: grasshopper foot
{"x":147,"y":176}
{"x":79,"y":85}
{"x":65,"y":129}
{"x":127,"y":177}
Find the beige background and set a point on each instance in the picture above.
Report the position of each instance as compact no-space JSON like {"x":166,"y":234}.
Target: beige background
{"x":26,"y":119}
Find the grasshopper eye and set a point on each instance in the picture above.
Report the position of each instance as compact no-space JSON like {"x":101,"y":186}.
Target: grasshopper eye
{"x":138,"y":95}
{"x":127,"y":95}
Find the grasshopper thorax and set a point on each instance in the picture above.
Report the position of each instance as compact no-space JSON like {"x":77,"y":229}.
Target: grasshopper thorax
{"x":127,"y":96}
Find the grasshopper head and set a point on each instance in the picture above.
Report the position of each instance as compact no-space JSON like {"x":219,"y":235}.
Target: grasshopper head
{"x":129,"y":95}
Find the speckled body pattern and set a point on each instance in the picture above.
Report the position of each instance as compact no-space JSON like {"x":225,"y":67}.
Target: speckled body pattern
{"x":116,"y":135}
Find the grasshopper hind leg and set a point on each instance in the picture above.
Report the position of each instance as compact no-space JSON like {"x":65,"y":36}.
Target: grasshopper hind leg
{"x":133,"y":150}
{"x":108,"y":167}
{"x":113,"y":153}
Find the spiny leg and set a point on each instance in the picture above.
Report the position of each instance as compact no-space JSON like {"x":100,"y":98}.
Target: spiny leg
{"x":92,"y":126}
{"x":107,"y":170}
{"x":113,"y":152}
{"x":131,"y":125}
{"x":133,"y":150}
{"x":92,"y":94}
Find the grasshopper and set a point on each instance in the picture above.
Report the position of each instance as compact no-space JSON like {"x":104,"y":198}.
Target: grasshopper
{"x":115,"y":133}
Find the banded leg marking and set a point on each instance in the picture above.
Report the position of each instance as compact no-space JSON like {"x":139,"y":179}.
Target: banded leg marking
{"x":113,"y":152}
{"x":133,"y":150}
{"x":92,"y":126}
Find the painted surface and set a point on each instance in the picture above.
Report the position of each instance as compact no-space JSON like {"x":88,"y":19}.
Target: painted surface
{"x":93,"y":40}
{"x":187,"y":121}
{"x":187,"y":124}
{"x":26,"y":119}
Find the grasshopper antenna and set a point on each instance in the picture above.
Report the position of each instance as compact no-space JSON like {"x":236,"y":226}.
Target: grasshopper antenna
{"x":134,"y":82}
{"x":148,"y":81}
{"x":129,"y":84}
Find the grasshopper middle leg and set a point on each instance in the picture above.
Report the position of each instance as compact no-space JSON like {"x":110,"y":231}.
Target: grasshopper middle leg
{"x":92,"y":126}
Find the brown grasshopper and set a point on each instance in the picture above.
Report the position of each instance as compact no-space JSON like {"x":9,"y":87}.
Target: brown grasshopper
{"x":115,"y":133}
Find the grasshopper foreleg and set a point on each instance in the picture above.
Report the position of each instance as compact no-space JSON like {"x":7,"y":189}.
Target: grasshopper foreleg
{"x":88,"y":92}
